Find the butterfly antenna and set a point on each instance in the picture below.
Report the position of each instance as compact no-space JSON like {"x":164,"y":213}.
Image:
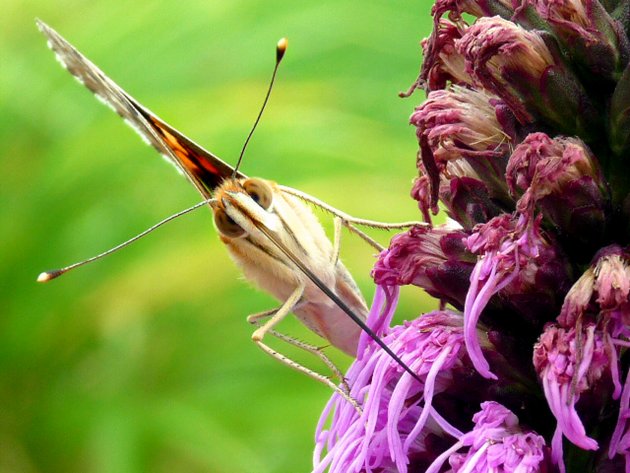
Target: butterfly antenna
{"x":281,"y":48}
{"x":55,"y":273}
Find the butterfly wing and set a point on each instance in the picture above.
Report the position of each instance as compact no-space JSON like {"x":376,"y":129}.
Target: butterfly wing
{"x":205,"y":170}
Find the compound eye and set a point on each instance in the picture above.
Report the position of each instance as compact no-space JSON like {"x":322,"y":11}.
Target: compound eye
{"x":226,"y":225}
{"x":259,"y":191}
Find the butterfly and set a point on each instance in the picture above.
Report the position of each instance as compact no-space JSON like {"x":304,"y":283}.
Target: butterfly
{"x":268,"y":229}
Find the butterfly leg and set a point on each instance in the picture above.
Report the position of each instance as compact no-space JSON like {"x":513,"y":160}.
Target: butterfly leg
{"x":348,"y":219}
{"x":339,"y":222}
{"x":276,"y":315}
{"x":279,"y":314}
{"x":363,"y":235}
{"x":255,"y":319}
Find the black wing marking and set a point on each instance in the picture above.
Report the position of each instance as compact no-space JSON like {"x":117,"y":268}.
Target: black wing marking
{"x":205,"y":170}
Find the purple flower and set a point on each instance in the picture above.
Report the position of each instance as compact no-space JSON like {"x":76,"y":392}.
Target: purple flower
{"x":517,"y":261}
{"x":399,"y":421}
{"x":569,"y":363}
{"x":523,"y":141}
{"x":496,"y":443}
{"x":601,"y":298}
{"x":620,"y":441}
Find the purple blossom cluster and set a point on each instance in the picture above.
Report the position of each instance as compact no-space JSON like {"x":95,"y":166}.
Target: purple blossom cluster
{"x":523,"y":139}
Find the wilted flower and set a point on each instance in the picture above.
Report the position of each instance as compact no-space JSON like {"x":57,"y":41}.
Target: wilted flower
{"x":443,"y":63}
{"x":465,"y":140}
{"x":434,"y":259}
{"x":459,"y":130}
{"x":524,"y":141}
{"x":461,"y":123}
{"x":602,"y":294}
{"x":600,"y":300}
{"x":562,"y":178}
{"x":455,"y":8}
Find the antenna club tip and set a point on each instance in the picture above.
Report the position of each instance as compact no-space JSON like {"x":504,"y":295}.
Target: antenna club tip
{"x":281,"y":48}
{"x":48,"y":275}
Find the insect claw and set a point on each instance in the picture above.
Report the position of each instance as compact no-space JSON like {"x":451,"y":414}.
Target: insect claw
{"x":258,"y":335}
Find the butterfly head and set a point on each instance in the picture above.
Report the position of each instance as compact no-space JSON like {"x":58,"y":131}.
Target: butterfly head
{"x":241,"y":205}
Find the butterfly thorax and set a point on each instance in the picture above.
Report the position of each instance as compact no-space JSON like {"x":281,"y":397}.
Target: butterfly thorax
{"x":244,"y":206}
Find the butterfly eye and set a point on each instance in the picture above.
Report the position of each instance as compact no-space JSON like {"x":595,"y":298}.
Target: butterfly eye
{"x":259,"y":191}
{"x":226,"y":225}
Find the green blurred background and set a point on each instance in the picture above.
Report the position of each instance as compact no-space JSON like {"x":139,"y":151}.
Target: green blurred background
{"x":143,"y":361}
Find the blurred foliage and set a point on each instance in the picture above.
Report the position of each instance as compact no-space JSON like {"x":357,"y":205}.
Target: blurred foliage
{"x":142,"y":362}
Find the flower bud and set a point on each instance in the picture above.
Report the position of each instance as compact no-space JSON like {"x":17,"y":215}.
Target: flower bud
{"x":528,"y":74}
{"x":594,"y":42}
{"x":602,"y":294}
